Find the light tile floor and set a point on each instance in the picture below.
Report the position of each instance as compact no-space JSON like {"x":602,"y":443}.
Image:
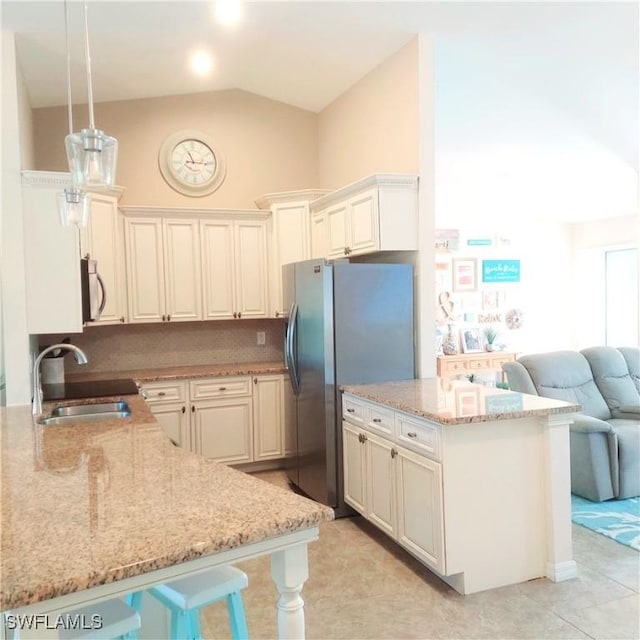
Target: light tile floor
{"x":363,"y":586}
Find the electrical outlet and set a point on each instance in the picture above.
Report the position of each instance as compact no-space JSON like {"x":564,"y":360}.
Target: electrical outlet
{"x":260,"y":338}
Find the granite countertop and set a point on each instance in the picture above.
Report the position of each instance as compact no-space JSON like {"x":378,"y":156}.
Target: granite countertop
{"x":451,"y":402}
{"x":156,"y":374}
{"x":95,"y":502}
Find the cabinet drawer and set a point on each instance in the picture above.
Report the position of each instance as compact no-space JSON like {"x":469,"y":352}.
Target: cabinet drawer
{"x":165,"y":391}
{"x":475,"y":364}
{"x":220,"y":388}
{"x":418,"y":435}
{"x":379,"y":420}
{"x":498,"y":361}
{"x":456,"y":366}
{"x":353,"y":410}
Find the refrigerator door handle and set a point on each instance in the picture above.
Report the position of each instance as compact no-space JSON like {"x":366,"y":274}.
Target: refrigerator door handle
{"x":292,"y":365}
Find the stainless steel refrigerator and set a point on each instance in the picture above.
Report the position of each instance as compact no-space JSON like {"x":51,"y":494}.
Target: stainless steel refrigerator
{"x":348,"y":323}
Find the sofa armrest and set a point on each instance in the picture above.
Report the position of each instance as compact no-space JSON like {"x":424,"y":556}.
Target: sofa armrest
{"x":518,"y":378}
{"x":587,"y":424}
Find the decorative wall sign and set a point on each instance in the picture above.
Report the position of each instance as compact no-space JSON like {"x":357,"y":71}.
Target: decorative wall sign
{"x":501,"y":271}
{"x":479,"y":242}
{"x":503,"y":403}
{"x":447,"y":239}
{"x":465,"y":276}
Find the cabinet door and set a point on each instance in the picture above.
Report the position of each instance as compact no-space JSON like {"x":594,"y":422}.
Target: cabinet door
{"x":420,"y":514}
{"x":223,"y":429}
{"x":218,"y":270}
{"x":181,"y":240}
{"x":174,"y":419}
{"x":381,"y":502}
{"x":251,"y":269}
{"x":355,"y":467}
{"x":145,"y":269}
{"x":268,"y":424}
{"x":337,"y":232}
{"x":52,"y":264}
{"x":104,"y":244}
{"x":291,"y":235}
{"x":363,"y":222}
{"x":318,"y":234}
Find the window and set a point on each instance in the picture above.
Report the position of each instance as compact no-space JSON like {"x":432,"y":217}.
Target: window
{"x":621,"y":297}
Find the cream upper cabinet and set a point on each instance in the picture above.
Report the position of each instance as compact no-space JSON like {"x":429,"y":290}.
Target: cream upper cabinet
{"x":378,"y":213}
{"x":319,"y":234}
{"x":235,"y":271}
{"x":102,"y":240}
{"x":52,"y":257}
{"x":291,"y":237}
{"x":182,"y":269}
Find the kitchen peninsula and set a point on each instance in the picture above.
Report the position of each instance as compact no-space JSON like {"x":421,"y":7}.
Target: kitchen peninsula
{"x":95,"y":510}
{"x":473,"y":481}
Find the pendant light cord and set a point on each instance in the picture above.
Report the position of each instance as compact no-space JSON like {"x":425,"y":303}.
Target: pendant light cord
{"x":66,"y":35}
{"x":87,"y":55}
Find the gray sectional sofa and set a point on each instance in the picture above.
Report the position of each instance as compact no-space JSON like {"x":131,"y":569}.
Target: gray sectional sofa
{"x":605,"y":438}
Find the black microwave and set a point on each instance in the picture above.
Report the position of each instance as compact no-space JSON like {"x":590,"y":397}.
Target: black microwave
{"x":94,"y":294}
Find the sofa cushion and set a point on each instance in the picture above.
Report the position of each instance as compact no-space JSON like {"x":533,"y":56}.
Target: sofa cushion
{"x":612,"y":377}
{"x":632,"y":357}
{"x":566,"y":375}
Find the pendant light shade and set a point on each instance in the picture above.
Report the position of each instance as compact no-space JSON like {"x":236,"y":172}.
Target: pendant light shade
{"x":73,"y":207}
{"x":92,"y":157}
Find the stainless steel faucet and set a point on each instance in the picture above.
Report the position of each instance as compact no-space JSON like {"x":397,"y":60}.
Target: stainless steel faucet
{"x":80,"y":357}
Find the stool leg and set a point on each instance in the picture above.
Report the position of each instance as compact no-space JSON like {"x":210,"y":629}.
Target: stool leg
{"x":236,"y":616}
{"x":179,"y":625}
{"x":194,"y":624}
{"x":134,"y":600}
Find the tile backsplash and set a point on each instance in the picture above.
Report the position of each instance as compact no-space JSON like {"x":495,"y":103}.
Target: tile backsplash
{"x":136,"y":346}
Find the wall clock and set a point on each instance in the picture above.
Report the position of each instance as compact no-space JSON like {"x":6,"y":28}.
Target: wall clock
{"x":190,"y":163}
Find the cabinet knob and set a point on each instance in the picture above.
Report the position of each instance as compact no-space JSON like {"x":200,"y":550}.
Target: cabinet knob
{"x":121,"y":318}
{"x":376,"y":420}
{"x":162,"y":393}
{"x":222,"y":388}
{"x":277,"y":314}
{"x":351,"y":410}
{"x":193,"y":408}
{"x":164,"y":318}
{"x":235,"y":314}
{"x":412,"y":434}
{"x":184,"y":409}
{"x":360,"y":438}
{"x":255,"y":381}
{"x":394,"y":453}
{"x":169,"y":318}
{"x":239,"y":314}
{"x":364,"y":437}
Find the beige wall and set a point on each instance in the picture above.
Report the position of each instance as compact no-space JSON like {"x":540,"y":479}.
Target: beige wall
{"x":373,"y":127}
{"x":268,"y":146}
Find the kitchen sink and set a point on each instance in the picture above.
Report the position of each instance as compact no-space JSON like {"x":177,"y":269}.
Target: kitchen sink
{"x":90,"y":409}
{"x":88,"y":413}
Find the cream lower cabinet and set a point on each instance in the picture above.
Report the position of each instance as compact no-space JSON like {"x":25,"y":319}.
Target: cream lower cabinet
{"x":168,"y":402}
{"x":398,"y":490}
{"x":234,"y":420}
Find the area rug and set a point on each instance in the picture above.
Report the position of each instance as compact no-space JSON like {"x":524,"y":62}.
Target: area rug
{"x":617,"y":519}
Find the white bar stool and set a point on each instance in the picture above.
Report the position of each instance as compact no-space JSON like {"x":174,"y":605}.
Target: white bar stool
{"x":186,"y":596}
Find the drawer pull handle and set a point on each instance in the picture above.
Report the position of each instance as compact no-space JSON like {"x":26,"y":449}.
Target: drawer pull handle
{"x":377,"y":420}
{"x":162,"y":393}
{"x":222,"y":388}
{"x":351,"y":410}
{"x":412,"y":434}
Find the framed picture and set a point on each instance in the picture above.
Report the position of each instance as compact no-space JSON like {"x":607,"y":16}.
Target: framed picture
{"x":467,"y":401}
{"x":465,"y":276}
{"x":471,"y":340}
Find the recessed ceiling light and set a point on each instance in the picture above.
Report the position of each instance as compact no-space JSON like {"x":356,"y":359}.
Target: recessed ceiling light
{"x":228,"y":12}
{"x":201,"y":62}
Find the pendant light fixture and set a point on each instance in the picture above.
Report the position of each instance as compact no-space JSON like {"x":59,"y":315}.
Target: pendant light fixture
{"x":92,"y":154}
{"x":73,"y":203}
